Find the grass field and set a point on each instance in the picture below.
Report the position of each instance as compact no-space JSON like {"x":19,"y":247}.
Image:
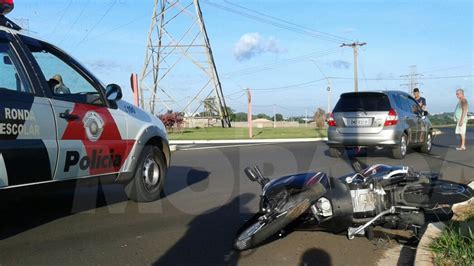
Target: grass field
{"x":216,"y":133}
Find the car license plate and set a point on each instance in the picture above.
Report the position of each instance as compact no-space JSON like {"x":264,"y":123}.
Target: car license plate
{"x":359,"y":122}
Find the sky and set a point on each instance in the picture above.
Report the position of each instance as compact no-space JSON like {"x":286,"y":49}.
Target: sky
{"x":286,"y":70}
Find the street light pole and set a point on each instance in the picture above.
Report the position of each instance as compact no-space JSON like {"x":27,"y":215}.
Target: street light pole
{"x":329,"y":84}
{"x":355,"y":46}
{"x":329,"y":97}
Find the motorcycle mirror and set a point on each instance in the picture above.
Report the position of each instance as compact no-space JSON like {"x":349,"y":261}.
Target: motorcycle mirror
{"x":250,"y":174}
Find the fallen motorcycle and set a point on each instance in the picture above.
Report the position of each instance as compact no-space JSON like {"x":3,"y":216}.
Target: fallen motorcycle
{"x":394,"y":197}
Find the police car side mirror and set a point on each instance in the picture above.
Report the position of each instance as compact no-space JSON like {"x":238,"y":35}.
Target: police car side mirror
{"x":113,"y":92}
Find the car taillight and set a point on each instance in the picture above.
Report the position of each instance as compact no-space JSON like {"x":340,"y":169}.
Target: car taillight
{"x":331,"y":121}
{"x":6,"y":6}
{"x":392,"y":118}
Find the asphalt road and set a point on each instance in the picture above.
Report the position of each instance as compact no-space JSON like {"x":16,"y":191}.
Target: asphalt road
{"x":207,"y":200}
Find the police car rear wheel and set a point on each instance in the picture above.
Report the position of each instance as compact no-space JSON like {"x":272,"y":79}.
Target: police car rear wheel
{"x":149,"y":178}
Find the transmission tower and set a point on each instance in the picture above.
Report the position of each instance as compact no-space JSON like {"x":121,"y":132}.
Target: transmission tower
{"x":412,"y":79}
{"x":179,"y":62}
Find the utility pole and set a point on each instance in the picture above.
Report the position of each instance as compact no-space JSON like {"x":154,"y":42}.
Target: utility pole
{"x":178,"y":42}
{"x":355,"y":46}
{"x":249,"y":113}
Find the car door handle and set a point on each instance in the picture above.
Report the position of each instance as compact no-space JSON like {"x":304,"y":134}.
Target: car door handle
{"x":68,"y":116}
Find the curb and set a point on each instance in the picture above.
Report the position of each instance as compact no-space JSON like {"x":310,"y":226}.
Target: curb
{"x":243,"y":141}
{"x":424,"y":256}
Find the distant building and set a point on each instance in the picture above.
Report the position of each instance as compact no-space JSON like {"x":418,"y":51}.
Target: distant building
{"x":262,"y":122}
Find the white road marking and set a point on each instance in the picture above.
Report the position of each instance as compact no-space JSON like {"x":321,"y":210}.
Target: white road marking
{"x":219,"y":147}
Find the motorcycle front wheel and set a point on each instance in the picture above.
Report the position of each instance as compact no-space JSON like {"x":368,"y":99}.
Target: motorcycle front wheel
{"x":263,"y":229}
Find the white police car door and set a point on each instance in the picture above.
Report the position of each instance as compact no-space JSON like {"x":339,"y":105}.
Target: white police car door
{"x":91,"y":136}
{"x":28,"y":147}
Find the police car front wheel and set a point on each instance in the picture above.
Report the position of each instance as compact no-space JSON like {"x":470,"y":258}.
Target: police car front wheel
{"x":148,"y":181}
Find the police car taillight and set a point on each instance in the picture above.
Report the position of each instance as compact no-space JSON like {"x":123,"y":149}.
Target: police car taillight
{"x":6,"y":6}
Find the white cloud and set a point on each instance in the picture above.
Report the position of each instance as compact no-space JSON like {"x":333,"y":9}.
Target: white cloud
{"x":253,"y":44}
{"x":339,"y":64}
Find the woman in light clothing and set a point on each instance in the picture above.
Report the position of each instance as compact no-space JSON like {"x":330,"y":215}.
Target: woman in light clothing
{"x":460,"y":116}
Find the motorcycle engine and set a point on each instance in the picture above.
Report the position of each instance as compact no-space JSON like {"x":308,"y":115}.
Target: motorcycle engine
{"x":367,"y":200}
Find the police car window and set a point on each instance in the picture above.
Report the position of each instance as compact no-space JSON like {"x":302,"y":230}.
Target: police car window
{"x":63,"y":80}
{"x":9,"y":76}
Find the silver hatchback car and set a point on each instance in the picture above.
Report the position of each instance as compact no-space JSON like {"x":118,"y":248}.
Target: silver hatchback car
{"x":382,"y":119}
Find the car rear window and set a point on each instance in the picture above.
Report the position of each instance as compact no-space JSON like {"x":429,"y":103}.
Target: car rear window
{"x":362,"y":102}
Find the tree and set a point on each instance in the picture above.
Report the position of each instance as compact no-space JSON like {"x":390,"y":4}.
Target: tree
{"x":279,"y":117}
{"x":320,"y":118}
{"x":241,"y":117}
{"x":230,"y":113}
{"x":263,"y":116}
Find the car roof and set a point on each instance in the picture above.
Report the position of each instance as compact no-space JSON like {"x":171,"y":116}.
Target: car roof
{"x":387,"y":92}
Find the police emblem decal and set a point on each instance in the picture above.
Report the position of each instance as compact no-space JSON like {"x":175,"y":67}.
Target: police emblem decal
{"x":94,"y":125}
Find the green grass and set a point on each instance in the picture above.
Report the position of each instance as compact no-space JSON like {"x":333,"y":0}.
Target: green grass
{"x":455,"y":246}
{"x":451,"y":126}
{"x":217,"y":133}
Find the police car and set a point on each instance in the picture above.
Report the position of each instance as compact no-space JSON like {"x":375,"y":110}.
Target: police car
{"x":59,"y":122}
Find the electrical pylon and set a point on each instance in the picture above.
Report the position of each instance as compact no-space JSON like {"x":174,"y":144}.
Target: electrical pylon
{"x":178,"y":47}
{"x":412,"y":79}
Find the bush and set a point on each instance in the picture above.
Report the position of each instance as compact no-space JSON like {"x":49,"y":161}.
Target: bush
{"x":170,"y":120}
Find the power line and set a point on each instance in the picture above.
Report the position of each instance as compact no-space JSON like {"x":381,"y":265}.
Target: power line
{"x":97,"y":23}
{"x":400,"y":79}
{"x":63,"y":13}
{"x":290,"y":86}
{"x":75,"y":21}
{"x":273,"y":23}
{"x":342,"y":39}
{"x":446,"y":68}
{"x":282,"y":63}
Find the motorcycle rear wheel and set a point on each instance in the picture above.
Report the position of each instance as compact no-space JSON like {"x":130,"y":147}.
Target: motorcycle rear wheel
{"x":261,"y":230}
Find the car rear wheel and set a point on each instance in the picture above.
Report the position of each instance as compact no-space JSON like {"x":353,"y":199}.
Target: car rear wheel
{"x":148,"y":181}
{"x":400,"y":151}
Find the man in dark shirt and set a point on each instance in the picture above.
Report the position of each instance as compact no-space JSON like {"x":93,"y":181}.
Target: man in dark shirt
{"x":420,"y":100}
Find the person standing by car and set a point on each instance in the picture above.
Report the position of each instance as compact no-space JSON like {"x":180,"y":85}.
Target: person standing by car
{"x":420,"y":100}
{"x":460,"y":116}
